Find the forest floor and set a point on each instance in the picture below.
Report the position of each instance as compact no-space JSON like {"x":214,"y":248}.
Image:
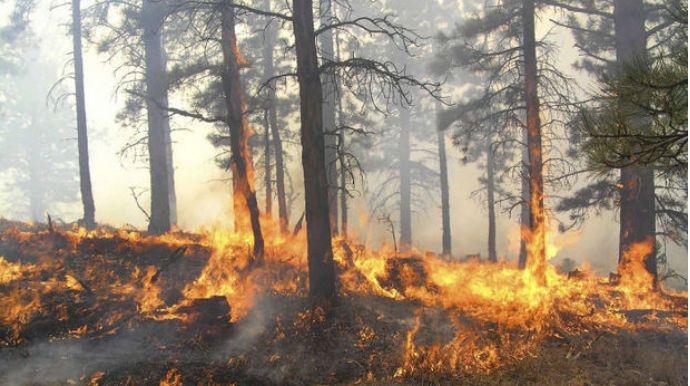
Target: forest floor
{"x":69,"y":316}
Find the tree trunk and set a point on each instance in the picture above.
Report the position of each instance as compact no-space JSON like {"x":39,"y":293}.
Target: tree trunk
{"x":637,"y":198}
{"x":343,"y":175}
{"x":268,"y":172}
{"x":172,"y":194}
{"x":341,"y":153}
{"x":343,"y":187}
{"x":405,"y":181}
{"x":269,"y":71}
{"x":329,"y":105}
{"x":242,"y":167}
{"x":153,"y":14}
{"x":525,"y":224}
{"x":82,"y":132}
{"x":491,"y":200}
{"x":445,"y":194}
{"x":320,"y":253}
{"x":536,"y":256}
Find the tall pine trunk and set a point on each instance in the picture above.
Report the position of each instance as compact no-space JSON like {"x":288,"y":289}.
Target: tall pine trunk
{"x":341,"y":150}
{"x":172,"y":194}
{"x":637,"y":198}
{"x":445,"y":194}
{"x":491,"y":202}
{"x":405,"y":181}
{"x":536,"y":256}
{"x":525,"y":224}
{"x":319,"y":250}
{"x":242,"y":167}
{"x":343,"y":183}
{"x":268,"y":170}
{"x":82,"y":132}
{"x":445,"y":190}
{"x":269,"y":71}
{"x":153,"y":14}
{"x":329,"y":106}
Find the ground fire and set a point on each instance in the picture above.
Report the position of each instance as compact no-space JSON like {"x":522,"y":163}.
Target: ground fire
{"x":115,"y":307}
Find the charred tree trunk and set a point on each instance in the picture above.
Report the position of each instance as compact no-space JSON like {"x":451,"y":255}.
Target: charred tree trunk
{"x":82,"y":132}
{"x":405,"y":181}
{"x":320,"y":253}
{"x":329,"y":106}
{"x":153,"y":14}
{"x":343,"y":186}
{"x":525,"y":224}
{"x":341,"y":153}
{"x":445,"y":193}
{"x":536,"y":256}
{"x":637,"y":198}
{"x":491,"y":202}
{"x":268,"y":172}
{"x":242,"y":167}
{"x":269,"y":71}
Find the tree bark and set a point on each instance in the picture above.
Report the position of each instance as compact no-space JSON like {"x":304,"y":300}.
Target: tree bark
{"x":637,"y":198}
{"x":445,"y":194}
{"x":343,"y":185}
{"x":242,"y":167}
{"x":153,"y":14}
{"x":536,"y":256}
{"x":341,"y":153}
{"x":525,"y":224}
{"x":82,"y":132}
{"x":268,"y":172}
{"x":405,"y":181}
{"x":329,"y":106}
{"x":172,"y":194}
{"x":269,"y":71}
{"x":320,"y":253}
{"x":491,"y":202}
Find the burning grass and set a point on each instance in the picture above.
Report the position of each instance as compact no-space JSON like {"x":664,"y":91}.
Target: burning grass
{"x":113,"y":307}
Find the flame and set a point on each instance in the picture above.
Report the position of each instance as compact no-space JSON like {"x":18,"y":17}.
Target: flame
{"x":635,"y":281}
{"x":95,"y":378}
{"x":148,"y":297}
{"x":495,"y":313}
{"x":172,"y":378}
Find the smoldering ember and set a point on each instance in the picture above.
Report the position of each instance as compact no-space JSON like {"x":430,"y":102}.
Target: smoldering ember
{"x":343,"y":192}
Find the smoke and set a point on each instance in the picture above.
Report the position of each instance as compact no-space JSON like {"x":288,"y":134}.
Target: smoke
{"x":67,"y":361}
{"x":203,"y":199}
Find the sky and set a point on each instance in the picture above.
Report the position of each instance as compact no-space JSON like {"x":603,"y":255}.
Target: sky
{"x":204,"y":195}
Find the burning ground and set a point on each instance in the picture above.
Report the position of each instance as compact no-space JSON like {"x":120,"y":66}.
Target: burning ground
{"x":114,"y":307}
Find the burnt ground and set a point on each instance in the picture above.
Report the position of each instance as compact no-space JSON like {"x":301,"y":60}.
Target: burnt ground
{"x":93,"y":333}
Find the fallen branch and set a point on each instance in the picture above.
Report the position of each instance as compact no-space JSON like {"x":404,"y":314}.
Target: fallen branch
{"x":179,"y":252}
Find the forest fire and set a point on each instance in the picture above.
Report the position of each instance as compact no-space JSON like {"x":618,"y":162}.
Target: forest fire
{"x":451,"y":317}
{"x":568,"y":122}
